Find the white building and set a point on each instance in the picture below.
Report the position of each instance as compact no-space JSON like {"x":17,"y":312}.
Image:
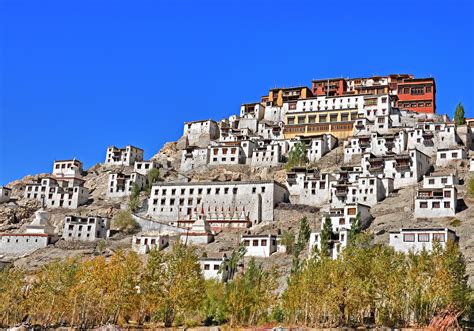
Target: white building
{"x":201,"y":133}
{"x":415,"y":240}
{"x":368,"y":190}
{"x":145,"y":242}
{"x":269,"y":155}
{"x":259,"y":245}
{"x":437,"y":198}
{"x":120,"y":184}
{"x":445,"y":157}
{"x":429,"y":137}
{"x":316,"y":146}
{"x":39,"y":233}
{"x":308,"y":186}
{"x":67,"y":168}
{"x":126,"y":156}
{"x":87,"y":228}
{"x":170,"y":202}
{"x":471,"y":164}
{"x":212,"y":268}
{"x":58,"y":192}
{"x":5,"y":194}
{"x":194,"y":158}
{"x":144,"y":167}
{"x":341,"y":220}
{"x":375,"y":143}
{"x":406,"y":169}
{"x":228,"y":154}
{"x":252,"y":110}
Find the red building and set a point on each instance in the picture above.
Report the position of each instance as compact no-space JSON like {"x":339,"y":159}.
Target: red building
{"x":329,"y":87}
{"x":417,"y":94}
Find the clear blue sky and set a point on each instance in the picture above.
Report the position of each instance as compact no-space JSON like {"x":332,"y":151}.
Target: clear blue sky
{"x":77,"y":76}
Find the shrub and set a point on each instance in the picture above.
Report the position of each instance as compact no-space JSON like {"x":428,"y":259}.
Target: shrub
{"x":124,"y":222}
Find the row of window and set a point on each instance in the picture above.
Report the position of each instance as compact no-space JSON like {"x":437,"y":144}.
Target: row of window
{"x":209,"y":190}
{"x":435,"y":204}
{"x":419,"y":90}
{"x":423,"y":237}
{"x":414,"y":104}
{"x":257,"y":242}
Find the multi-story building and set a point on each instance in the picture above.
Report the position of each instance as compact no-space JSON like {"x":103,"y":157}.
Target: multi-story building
{"x":406,"y":168}
{"x":342,"y":220}
{"x":88,"y":228}
{"x":375,"y":143}
{"x":316,"y":145}
{"x":120,"y":184}
{"x":170,"y":202}
{"x":5,"y":194}
{"x":201,"y":133}
{"x":447,"y":156}
{"x":67,"y":168}
{"x":437,"y":197}
{"x":429,"y":137}
{"x":417,"y":94}
{"x":252,"y":110}
{"x":58,"y":192}
{"x":193,"y":158}
{"x":143,"y":243}
{"x":416,"y":240}
{"x":278,"y":96}
{"x":126,"y":156}
{"x":144,"y":167}
{"x":267,"y":155}
{"x":229,"y":153}
{"x":308,"y":186}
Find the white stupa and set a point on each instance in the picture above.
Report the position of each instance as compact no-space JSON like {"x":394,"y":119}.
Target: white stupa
{"x":40,"y":225}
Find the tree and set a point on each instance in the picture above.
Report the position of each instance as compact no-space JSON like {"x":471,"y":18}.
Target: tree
{"x":287,"y":239}
{"x":233,"y":262}
{"x":459,"y":114}
{"x":297,"y":156}
{"x":152,"y":177}
{"x":304,"y":232}
{"x":354,"y":230}
{"x":326,"y":236}
{"x":124,"y":222}
{"x":134,"y":199}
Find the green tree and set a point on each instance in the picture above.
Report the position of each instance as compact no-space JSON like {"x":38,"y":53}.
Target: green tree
{"x":234,"y":260}
{"x":326,"y":236}
{"x":213,"y":306}
{"x":304,"y":232}
{"x":459,"y":114}
{"x":152,"y":177}
{"x":297,"y":156}
{"x":354,"y":230}
{"x":124,"y":222}
{"x":287,"y":239}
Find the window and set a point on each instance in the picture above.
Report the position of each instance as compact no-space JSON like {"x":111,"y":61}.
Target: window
{"x":409,"y":237}
{"x":438,"y":237}
{"x":444,"y":180}
{"x":447,"y":204}
{"x":442,"y":156}
{"x":447,"y":194}
{"x":206,"y":267}
{"x":436,"y":204}
{"x":423,"y":204}
{"x":255,"y":243}
{"x":428,"y":89}
{"x":264,"y":242}
{"x":454,"y":155}
{"x":216,"y":267}
{"x":423,"y":237}
{"x":246,"y":242}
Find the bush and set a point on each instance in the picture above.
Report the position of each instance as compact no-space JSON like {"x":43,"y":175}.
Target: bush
{"x":124,"y":222}
{"x":470,"y":187}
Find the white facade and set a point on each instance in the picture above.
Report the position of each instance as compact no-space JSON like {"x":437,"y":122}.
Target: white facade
{"x":199,"y":234}
{"x":145,"y":242}
{"x":471,"y":164}
{"x":67,"y":168}
{"x":445,"y":157}
{"x":170,"y":202}
{"x":39,"y":233}
{"x":405,"y":169}
{"x":368,"y":190}
{"x":375,"y":143}
{"x":437,"y":198}
{"x":194,"y":158}
{"x":126,"y":156}
{"x":87,"y":228}
{"x":144,"y":167}
{"x":259,"y":245}
{"x":201,"y":133}
{"x":121,"y":185}
{"x":316,"y":146}
{"x":58,"y":193}
{"x":308,"y":186}
{"x":252,"y":110}
{"x":211,"y":268}
{"x":430,"y":137}
{"x":344,"y":217}
{"x":229,"y":154}
{"x":5,"y":194}
{"x":269,"y":155}
{"x":415,"y":240}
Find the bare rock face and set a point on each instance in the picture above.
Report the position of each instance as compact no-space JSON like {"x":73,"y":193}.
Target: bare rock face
{"x":14,"y":214}
{"x":182,"y":143}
